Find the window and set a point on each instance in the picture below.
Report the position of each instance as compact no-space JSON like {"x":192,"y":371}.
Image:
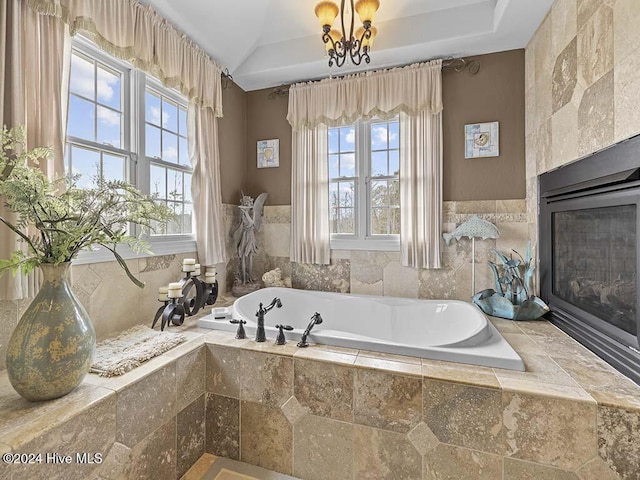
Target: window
{"x":125,"y":125}
{"x":166,"y":151}
{"x":364,"y":186}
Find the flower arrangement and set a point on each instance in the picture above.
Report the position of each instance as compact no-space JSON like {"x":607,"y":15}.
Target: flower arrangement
{"x":56,"y":219}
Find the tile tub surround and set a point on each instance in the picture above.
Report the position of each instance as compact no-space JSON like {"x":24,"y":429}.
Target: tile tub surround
{"x":380,"y":273}
{"x":570,"y":416}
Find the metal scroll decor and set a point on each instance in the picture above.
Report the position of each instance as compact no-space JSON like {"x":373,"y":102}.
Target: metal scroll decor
{"x":513,"y":296}
{"x":187,"y":296}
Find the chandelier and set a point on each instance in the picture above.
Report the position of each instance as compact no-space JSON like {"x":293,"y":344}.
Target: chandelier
{"x":355,"y":45}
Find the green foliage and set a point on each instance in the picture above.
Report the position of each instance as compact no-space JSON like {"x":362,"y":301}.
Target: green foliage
{"x":56,"y":219}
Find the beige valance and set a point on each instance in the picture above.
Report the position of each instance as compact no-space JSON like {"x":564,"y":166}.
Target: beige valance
{"x":383,"y":94}
{"x":134,"y":32}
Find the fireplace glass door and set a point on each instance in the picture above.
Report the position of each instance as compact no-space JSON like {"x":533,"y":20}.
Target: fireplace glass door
{"x":594,"y":262}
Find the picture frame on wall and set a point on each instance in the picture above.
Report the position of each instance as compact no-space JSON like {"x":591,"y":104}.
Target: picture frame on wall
{"x":268,"y":153}
{"x":482,"y":140}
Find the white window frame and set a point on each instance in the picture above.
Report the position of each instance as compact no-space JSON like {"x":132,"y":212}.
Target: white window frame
{"x":361,"y":239}
{"x":133,"y":87}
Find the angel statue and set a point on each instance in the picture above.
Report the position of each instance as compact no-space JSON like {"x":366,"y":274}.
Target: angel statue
{"x":250,"y":223}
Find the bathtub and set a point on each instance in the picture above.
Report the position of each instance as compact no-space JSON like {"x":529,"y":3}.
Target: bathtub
{"x":447,"y":330}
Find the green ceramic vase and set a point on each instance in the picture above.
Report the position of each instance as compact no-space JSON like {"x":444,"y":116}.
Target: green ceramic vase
{"x":52,"y":347}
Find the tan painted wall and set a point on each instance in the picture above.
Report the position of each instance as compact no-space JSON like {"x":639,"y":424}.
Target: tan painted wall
{"x":582,"y":71}
{"x":267,"y":119}
{"x":496,"y":93}
{"x":232,"y":130}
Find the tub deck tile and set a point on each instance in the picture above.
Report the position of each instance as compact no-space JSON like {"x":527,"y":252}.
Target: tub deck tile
{"x":460,"y":373}
{"x":412,"y":369}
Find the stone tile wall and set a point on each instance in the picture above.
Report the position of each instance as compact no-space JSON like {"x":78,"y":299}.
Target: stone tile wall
{"x":380,"y":273}
{"x":147,"y":424}
{"x":582,"y":76}
{"x":113,"y":302}
{"x":333,"y":413}
{"x":330,"y":413}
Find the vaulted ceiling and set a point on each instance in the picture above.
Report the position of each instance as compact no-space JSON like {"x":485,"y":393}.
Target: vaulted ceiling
{"x":265,"y":43}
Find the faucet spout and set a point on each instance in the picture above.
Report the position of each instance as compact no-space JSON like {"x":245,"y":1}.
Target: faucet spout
{"x":262,"y":311}
{"x":316,"y":319}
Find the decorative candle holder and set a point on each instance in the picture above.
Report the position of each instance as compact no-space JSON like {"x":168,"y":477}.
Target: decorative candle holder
{"x":192,"y":304}
{"x":210,"y":284}
{"x":171,"y":311}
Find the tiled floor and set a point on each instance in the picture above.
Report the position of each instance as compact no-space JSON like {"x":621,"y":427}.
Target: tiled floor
{"x":210,"y":467}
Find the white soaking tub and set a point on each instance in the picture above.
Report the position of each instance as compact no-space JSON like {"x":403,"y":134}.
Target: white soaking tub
{"x":448,"y":330}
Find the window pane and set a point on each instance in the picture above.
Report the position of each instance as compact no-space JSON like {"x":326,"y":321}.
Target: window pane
{"x":174,"y":184}
{"x":183,"y":153}
{"x":333,"y":220}
{"x":187,"y":187}
{"x":378,"y":163}
{"x":81,"y":118}
{"x":170,"y":116}
{"x":394,"y":162}
{"x":345,"y":221}
{"x":113,"y":167}
{"x":348,"y":165}
{"x":348,"y":139}
{"x":182,"y":122}
{"x":379,"y":218}
{"x":333,"y":140}
{"x":187,"y":219}
{"x":346,"y":194}
{"x":174,"y":226}
{"x":109,"y":130}
{"x":394,"y":131}
{"x":394,"y":221}
{"x":108,"y":88}
{"x":379,"y":136}
{"x":158,"y":181}
{"x":86,"y":163}
{"x":394,"y":193}
{"x":152,"y":141}
{"x":333,"y":166}
{"x":333,"y":195}
{"x":169,"y":147}
{"x":82,"y":77}
{"x":379,"y":194}
{"x":152,"y":108}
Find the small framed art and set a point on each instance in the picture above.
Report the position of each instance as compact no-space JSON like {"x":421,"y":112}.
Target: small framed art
{"x":268,"y":153}
{"x":482,"y":140}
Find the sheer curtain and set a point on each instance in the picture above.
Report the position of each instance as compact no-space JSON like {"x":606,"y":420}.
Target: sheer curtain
{"x":414,"y":92}
{"x":205,"y":184}
{"x":310,"y":235}
{"x":33,"y":93}
{"x":420,"y":189}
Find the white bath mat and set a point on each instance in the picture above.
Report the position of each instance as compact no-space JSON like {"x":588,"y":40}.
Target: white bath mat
{"x":130,"y":349}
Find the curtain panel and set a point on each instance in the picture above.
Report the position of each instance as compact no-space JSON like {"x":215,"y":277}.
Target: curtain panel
{"x":134,"y":32}
{"x":310,"y":236}
{"x":33,"y":93}
{"x":414,"y":92}
{"x":381,"y":94}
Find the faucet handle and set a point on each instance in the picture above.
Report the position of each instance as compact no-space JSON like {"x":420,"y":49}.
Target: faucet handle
{"x":240,"y":333}
{"x":280,"y":338}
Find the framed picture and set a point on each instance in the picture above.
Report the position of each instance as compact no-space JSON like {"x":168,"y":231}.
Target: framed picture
{"x":481,"y":140}
{"x":268,"y":153}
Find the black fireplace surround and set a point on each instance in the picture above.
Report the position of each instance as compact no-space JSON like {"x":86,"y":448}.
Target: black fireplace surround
{"x":589,"y":236}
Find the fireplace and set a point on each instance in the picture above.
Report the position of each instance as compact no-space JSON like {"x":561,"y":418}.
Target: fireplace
{"x":590,"y":252}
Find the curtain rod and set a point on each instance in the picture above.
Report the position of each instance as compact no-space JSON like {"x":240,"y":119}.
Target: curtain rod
{"x":457,"y":64}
